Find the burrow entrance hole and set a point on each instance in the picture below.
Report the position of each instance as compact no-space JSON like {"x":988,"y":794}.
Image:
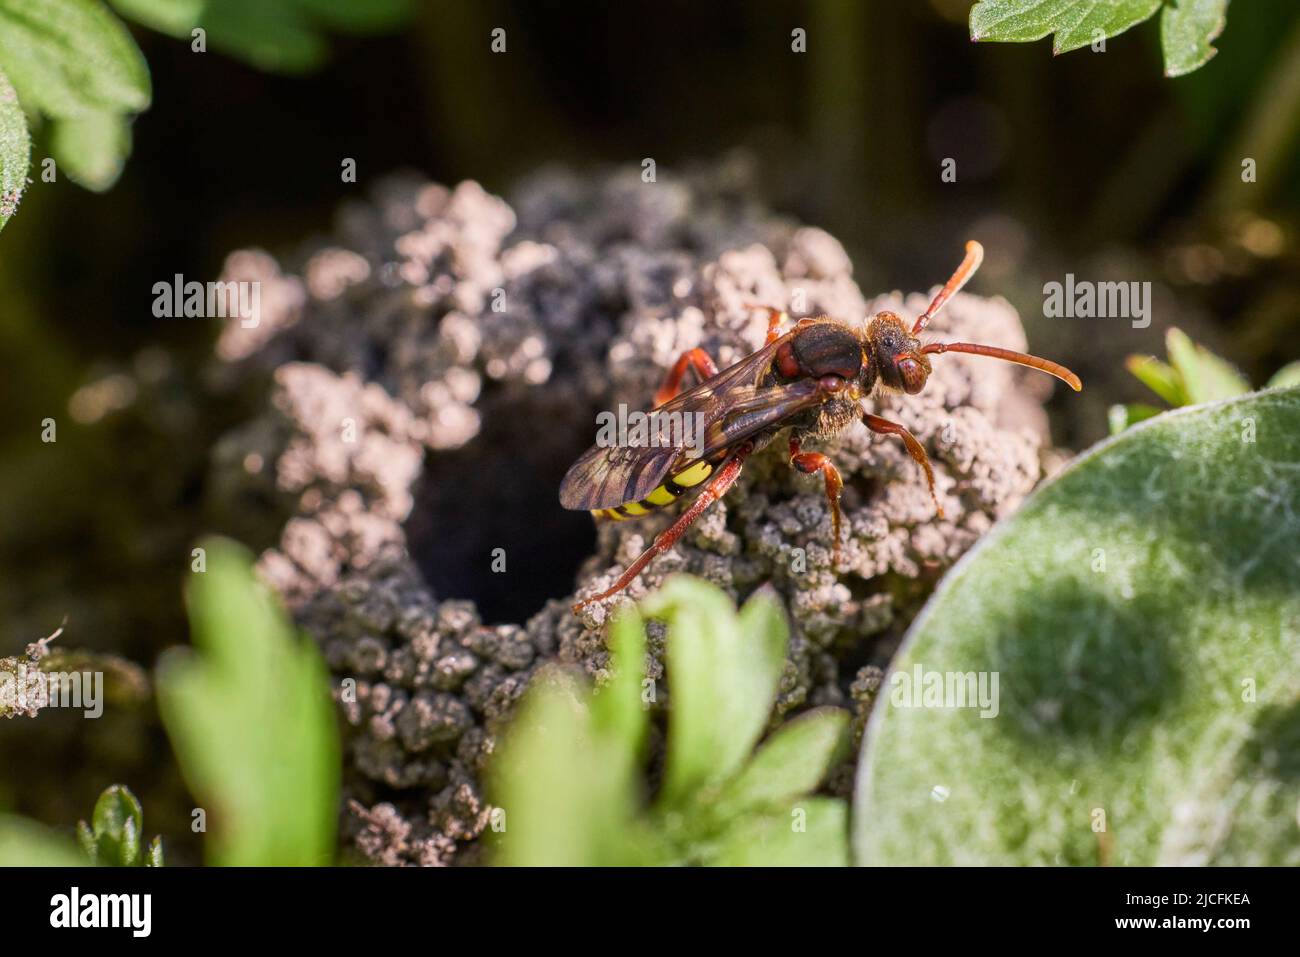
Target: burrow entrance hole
{"x":501,"y":491}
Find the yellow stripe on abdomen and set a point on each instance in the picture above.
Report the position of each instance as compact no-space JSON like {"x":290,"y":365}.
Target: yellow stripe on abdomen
{"x":673,"y":487}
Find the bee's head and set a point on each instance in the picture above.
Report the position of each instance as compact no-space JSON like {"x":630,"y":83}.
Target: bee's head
{"x":897,"y":354}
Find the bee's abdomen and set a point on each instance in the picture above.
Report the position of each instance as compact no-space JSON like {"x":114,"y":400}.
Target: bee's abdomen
{"x":672,"y":488}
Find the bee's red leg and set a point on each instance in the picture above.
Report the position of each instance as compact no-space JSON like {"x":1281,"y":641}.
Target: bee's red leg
{"x":698,"y":359}
{"x":884,"y":427}
{"x":776,"y":318}
{"x":717,"y":487}
{"x":810,"y":463}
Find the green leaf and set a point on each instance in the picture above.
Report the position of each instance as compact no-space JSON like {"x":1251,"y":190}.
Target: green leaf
{"x":67,"y":58}
{"x":25,"y":843}
{"x":15,"y":150}
{"x":723,"y":674}
{"x":116,"y":825}
{"x":1288,"y":375}
{"x":567,"y":793}
{"x":808,"y":833}
{"x":1205,"y":377}
{"x":1123,"y":416}
{"x":250,"y":716}
{"x":793,"y":761}
{"x":155,"y":858}
{"x":1160,"y":377}
{"x":617,"y":709}
{"x":277,"y":35}
{"x":92,"y":149}
{"x":1188,"y":29}
{"x":1075,"y":23}
{"x":1140,"y":612}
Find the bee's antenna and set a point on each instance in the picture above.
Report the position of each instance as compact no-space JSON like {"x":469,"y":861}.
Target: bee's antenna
{"x":1034,"y":362}
{"x":974,"y":256}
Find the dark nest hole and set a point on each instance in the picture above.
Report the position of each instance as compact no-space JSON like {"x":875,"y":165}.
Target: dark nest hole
{"x":501,"y":491}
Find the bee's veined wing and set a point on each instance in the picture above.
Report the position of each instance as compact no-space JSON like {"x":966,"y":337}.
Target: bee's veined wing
{"x":724,"y":410}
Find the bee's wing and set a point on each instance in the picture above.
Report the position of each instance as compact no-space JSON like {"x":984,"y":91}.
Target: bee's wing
{"x":727,"y":409}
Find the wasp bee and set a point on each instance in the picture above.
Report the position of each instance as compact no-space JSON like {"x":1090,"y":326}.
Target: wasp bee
{"x":809,"y":379}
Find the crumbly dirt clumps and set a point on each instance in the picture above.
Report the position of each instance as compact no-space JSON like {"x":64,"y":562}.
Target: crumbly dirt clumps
{"x":433,"y":365}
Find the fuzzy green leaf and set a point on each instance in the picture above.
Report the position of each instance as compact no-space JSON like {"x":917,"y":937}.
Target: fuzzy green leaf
{"x":92,"y":149}
{"x":723,"y":673}
{"x":1141,"y":614}
{"x":67,"y":58}
{"x":250,"y":715}
{"x":1160,"y":377}
{"x":1188,"y":29}
{"x":1205,"y":376}
{"x":1288,"y":375}
{"x":15,"y":150}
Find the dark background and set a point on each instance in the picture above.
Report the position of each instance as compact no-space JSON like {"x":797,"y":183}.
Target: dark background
{"x":1090,"y":162}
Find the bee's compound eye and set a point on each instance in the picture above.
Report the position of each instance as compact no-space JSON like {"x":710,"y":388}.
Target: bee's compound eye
{"x":831,"y":383}
{"x":911,"y":375}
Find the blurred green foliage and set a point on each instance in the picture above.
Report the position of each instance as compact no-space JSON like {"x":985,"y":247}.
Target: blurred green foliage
{"x":250,"y":715}
{"x":74,"y":64}
{"x":1140,"y":610}
{"x":568,"y":782}
{"x":1188,"y":28}
{"x":1192,"y":375}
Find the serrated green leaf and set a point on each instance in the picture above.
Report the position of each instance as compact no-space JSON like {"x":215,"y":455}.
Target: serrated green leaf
{"x":810,"y":832}
{"x":1188,"y":29}
{"x":1205,"y":377}
{"x":1075,"y":23}
{"x":250,"y":715}
{"x":1288,"y":375}
{"x":723,"y":674}
{"x":1160,"y":377}
{"x":15,"y":151}
{"x":92,"y":149}
{"x":67,"y":58}
{"x":1141,"y":612}
{"x":793,"y":761}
